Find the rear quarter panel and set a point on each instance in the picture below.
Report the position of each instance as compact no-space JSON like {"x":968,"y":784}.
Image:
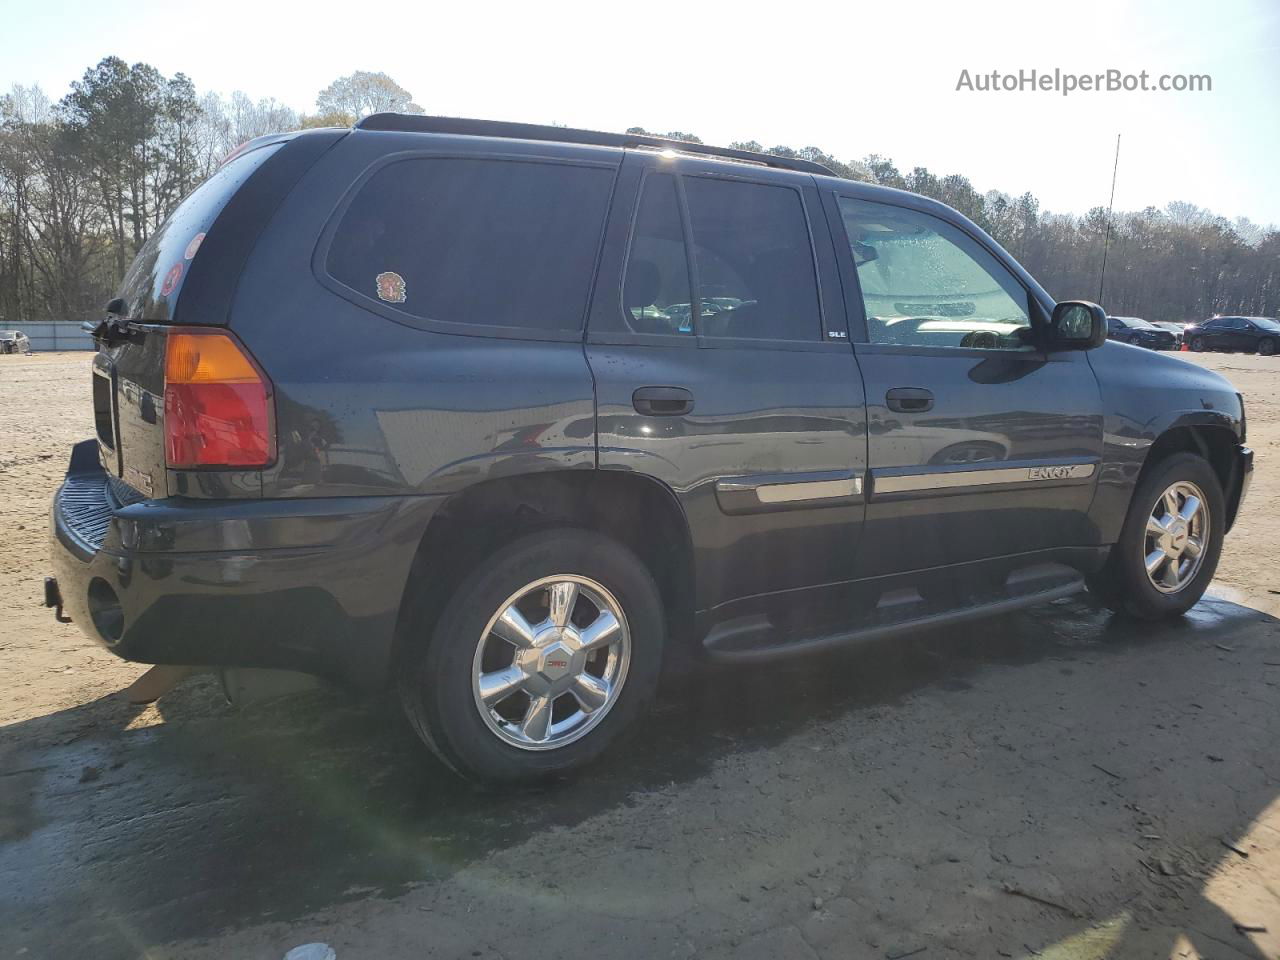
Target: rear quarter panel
{"x":369,"y":405}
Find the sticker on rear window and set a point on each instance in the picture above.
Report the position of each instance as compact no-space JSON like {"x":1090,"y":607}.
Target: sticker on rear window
{"x":193,"y":246}
{"x":390,"y":287}
{"x":171,"y":280}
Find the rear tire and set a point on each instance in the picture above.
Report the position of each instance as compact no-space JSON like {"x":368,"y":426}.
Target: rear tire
{"x":1197,"y":344}
{"x":1168,"y":549}
{"x":1266,"y":347}
{"x":505,"y":697}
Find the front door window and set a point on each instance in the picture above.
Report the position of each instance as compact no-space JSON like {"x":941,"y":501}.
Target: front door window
{"x":926,"y":283}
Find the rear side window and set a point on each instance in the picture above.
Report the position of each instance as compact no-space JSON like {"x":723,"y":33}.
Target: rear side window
{"x":756,"y":276}
{"x":471,"y":241}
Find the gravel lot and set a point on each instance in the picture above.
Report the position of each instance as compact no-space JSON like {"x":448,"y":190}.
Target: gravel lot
{"x":1056,"y":783}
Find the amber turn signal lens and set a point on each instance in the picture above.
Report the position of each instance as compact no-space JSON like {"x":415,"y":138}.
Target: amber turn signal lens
{"x":207,"y":358}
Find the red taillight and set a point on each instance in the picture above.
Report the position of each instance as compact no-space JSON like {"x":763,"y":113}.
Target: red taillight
{"x":217,"y":403}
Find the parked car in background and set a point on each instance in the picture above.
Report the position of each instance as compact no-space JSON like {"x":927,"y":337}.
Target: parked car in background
{"x":1174,"y":328}
{"x":534,"y":478}
{"x":1235,"y":335}
{"x":14,"y":341}
{"x":1139,"y":333}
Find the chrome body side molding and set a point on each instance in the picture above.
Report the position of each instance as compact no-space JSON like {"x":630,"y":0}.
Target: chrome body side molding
{"x":937,"y":481}
{"x":783,"y":491}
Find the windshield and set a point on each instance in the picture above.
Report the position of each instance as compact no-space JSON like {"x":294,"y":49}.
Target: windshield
{"x":1267,"y":323}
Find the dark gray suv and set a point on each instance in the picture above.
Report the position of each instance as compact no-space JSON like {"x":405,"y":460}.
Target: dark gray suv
{"x":502,"y":416}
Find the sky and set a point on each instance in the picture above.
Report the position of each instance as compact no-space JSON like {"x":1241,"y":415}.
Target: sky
{"x":852,"y":78}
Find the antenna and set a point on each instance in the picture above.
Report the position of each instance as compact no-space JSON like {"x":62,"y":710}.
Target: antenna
{"x":1110,"y":203}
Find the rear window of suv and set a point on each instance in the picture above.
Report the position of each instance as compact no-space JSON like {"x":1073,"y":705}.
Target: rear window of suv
{"x":152,"y":284}
{"x":504,"y":243}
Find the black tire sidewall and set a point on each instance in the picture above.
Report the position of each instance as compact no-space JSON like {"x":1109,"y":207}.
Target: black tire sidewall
{"x":1197,"y":344}
{"x":1266,"y":341}
{"x":436,"y":686}
{"x":1135,"y":591}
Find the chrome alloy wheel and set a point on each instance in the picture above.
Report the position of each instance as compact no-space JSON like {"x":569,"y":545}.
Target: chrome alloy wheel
{"x":1177,"y":536}
{"x":551,"y":662}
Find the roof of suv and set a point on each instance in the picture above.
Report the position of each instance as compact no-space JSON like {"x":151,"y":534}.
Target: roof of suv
{"x":588,"y":139}
{"x":460,"y":126}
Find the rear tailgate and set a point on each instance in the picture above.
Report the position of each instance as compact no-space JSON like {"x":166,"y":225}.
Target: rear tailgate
{"x":205,"y":241}
{"x":128,"y":372}
{"x":128,"y":409}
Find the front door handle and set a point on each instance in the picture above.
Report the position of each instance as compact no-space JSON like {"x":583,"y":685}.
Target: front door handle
{"x":662,"y":401}
{"x":909,"y":399}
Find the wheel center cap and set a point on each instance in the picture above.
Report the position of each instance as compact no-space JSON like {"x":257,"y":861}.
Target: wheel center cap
{"x":1178,"y":534}
{"x":552,"y":665}
{"x":556,"y":661}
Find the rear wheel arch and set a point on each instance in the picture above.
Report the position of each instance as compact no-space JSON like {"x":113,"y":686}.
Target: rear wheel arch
{"x":635,"y":510}
{"x":556,"y":685}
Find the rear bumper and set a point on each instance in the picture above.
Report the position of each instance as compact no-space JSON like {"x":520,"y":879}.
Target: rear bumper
{"x":299,"y":584}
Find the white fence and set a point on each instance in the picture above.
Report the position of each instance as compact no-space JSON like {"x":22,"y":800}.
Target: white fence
{"x":56,"y":335}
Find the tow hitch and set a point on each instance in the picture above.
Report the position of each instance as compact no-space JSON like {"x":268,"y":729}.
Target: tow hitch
{"x":53,"y":598}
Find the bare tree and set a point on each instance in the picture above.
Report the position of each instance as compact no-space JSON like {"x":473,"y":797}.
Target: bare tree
{"x":258,"y":118}
{"x":363,"y":93}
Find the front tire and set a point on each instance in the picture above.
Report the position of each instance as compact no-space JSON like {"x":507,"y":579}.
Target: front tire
{"x":1197,"y":344}
{"x":544,"y":655}
{"x":1266,"y":347}
{"x":1170,"y":542}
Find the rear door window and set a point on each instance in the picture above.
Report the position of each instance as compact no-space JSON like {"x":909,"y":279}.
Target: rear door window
{"x":754,"y":260}
{"x":656,"y":289}
{"x":471,"y":241}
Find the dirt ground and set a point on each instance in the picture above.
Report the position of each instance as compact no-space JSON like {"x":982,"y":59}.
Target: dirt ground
{"x":1055,"y":784}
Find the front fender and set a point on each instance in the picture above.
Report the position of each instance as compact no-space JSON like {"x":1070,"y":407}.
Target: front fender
{"x":1145,"y":396}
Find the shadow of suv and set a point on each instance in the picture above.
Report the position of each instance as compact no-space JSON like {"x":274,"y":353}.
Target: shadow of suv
{"x":508,"y":416}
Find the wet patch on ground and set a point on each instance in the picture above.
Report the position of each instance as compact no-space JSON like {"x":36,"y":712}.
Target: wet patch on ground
{"x":217,"y":820}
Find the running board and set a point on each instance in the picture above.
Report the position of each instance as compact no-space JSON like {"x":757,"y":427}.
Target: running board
{"x":757,"y":639}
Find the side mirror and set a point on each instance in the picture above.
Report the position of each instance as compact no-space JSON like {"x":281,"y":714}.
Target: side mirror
{"x":1077,"y":325}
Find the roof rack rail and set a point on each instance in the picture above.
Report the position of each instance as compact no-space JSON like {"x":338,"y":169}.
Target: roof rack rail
{"x":414,"y":123}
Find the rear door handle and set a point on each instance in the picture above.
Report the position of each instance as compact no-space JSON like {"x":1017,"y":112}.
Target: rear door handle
{"x":909,"y":399}
{"x":662,"y":401}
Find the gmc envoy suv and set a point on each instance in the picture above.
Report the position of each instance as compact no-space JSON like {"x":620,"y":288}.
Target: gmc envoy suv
{"x":501,"y":416}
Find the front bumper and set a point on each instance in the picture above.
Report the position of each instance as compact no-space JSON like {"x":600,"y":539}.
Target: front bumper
{"x":1243,"y":475}
{"x":310,"y":584}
